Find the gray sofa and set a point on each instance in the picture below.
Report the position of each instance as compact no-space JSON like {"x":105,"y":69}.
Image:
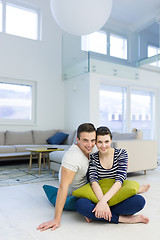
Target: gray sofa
{"x":13,"y":144}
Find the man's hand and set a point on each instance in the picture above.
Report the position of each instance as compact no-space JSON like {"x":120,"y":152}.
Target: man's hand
{"x":67,"y":177}
{"x":53,"y":224}
{"x":102,"y":210}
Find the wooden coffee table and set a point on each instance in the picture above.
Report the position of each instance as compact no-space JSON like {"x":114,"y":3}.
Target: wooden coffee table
{"x":42,"y":152}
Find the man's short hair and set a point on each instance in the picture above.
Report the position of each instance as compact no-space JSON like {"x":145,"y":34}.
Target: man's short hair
{"x":85,"y":127}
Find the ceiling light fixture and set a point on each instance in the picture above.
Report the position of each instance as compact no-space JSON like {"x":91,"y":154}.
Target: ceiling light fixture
{"x":81,"y":17}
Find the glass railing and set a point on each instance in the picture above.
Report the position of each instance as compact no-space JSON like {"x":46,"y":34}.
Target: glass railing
{"x":76,"y":62}
{"x":152,"y":63}
{"x":75,"y":70}
{"x":101,"y":66}
{"x":91,"y":64}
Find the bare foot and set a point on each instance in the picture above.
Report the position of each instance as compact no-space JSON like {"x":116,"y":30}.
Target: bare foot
{"x":88,"y":219}
{"x":144,"y":188}
{"x":133,"y":219}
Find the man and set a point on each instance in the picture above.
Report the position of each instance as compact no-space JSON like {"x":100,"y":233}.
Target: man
{"x":73,"y":171}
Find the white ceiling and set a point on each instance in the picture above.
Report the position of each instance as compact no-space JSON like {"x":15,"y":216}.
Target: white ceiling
{"x":134,"y":15}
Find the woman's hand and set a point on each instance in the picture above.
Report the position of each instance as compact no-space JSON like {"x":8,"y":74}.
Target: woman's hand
{"x":102,"y":210}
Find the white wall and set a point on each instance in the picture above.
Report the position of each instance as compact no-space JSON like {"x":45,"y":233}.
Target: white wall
{"x":38,"y":61}
{"x":77,"y":101}
{"x":94,"y":99}
{"x":82,"y":94}
{"x":81,"y":100}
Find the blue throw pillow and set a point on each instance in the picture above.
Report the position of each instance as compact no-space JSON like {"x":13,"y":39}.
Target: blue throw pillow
{"x":51,"y":193}
{"x":57,"y":138}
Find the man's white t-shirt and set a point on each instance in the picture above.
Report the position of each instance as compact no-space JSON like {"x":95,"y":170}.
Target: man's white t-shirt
{"x":75,"y":160}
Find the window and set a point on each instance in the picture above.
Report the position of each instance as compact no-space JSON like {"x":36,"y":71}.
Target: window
{"x":0,"y":17}
{"x":142,"y":114}
{"x":17,"y":102}
{"x":113,"y":107}
{"x":118,"y":46}
{"x":124,"y":108}
{"x":152,"y":51}
{"x":95,"y":42}
{"x":20,"y":20}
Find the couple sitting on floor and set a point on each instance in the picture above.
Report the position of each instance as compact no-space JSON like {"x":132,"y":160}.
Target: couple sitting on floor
{"x":81,"y":162}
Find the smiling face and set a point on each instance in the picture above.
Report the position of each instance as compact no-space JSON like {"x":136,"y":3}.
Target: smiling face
{"x":103,"y":143}
{"x":86,"y":142}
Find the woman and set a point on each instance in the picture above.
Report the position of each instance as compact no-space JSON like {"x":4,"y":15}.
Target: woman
{"x":110,"y":163}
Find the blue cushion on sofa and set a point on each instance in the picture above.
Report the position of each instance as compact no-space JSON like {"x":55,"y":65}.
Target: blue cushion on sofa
{"x":57,"y":138}
{"x":51,"y":193}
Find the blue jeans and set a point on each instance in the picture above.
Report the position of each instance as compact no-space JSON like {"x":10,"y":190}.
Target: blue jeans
{"x":129,"y":206}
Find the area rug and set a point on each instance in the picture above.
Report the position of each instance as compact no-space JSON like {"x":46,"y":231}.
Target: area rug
{"x":20,"y":174}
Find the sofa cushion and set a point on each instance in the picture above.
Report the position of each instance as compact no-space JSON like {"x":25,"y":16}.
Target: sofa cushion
{"x":56,"y":156}
{"x":22,"y":148}
{"x":2,"y":137}
{"x":123,"y":136}
{"x":57,"y":138}
{"x":18,"y":138}
{"x":40,"y":136}
{"x":7,"y":149}
{"x":128,"y":189}
{"x":69,"y":139}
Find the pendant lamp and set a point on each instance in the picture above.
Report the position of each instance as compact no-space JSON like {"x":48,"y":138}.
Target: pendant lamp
{"x":81,"y":17}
